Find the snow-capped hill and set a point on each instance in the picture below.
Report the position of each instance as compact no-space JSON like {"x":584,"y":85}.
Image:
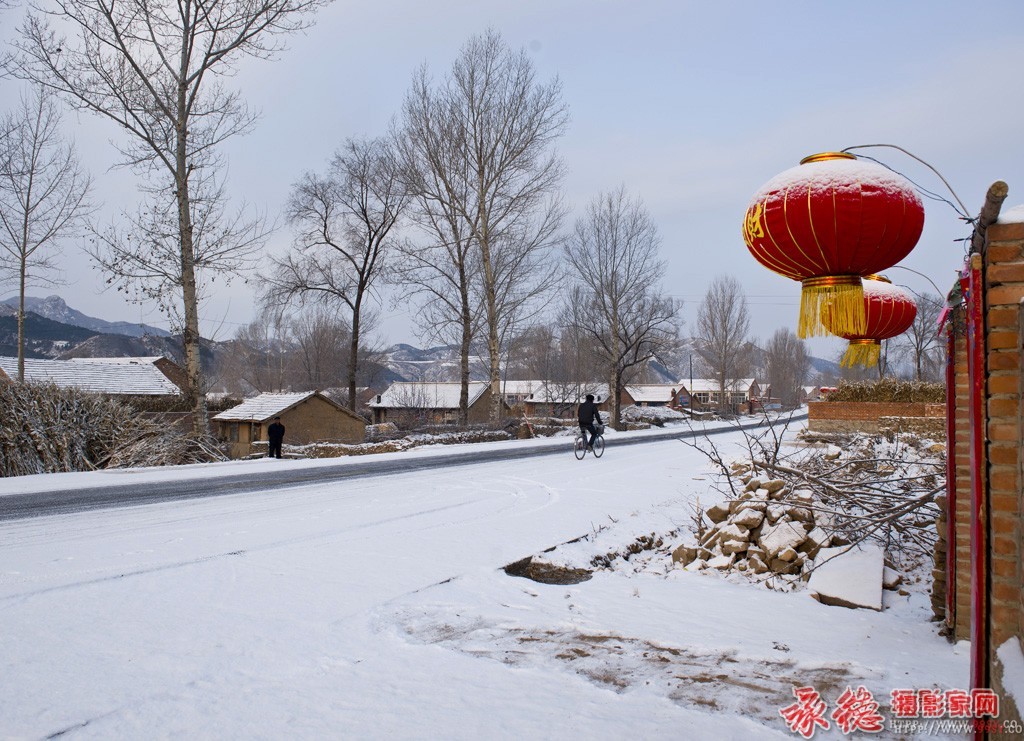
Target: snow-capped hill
{"x":56,"y":309}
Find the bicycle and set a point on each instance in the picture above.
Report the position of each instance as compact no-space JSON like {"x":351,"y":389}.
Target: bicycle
{"x":579,"y":447}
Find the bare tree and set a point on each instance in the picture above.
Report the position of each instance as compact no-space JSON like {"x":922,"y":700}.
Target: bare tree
{"x":787,"y":365}
{"x":439,"y":269}
{"x":723,"y":323}
{"x":921,"y":343}
{"x":43,"y":196}
{"x":320,"y":341}
{"x":480,"y":144}
{"x":344,"y":223}
{"x":157,"y":71}
{"x":615,"y":299}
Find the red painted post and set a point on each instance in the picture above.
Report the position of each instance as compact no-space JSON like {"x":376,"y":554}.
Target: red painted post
{"x":950,"y":478}
{"x":979,"y":523}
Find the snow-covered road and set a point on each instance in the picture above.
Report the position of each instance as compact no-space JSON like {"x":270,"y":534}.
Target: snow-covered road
{"x":350,"y":610}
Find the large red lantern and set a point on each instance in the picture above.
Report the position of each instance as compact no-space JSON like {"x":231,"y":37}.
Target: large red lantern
{"x":828,"y":222}
{"x":889,"y":311}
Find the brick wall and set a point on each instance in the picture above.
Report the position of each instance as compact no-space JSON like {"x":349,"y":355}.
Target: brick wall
{"x":867,"y":416}
{"x":1004,"y":291}
{"x":1003,"y":460}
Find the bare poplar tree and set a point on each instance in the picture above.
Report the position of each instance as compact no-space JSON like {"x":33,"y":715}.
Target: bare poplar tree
{"x":344,"y":222}
{"x":480,"y":143}
{"x":43,"y":196}
{"x":921,"y":344}
{"x":441,"y":269}
{"x":157,"y":70}
{"x":787,"y":365}
{"x":615,"y":298}
{"x":723,"y":323}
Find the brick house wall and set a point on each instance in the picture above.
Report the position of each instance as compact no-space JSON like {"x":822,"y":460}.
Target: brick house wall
{"x":1004,"y":291}
{"x":1002,"y":460}
{"x":313,"y":420}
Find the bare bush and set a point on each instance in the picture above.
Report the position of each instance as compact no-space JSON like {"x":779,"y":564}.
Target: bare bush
{"x":889,"y":389}
{"x":47,"y":429}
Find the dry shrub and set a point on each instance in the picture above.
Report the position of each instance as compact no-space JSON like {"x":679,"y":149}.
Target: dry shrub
{"x":889,"y":390}
{"x":46,"y":429}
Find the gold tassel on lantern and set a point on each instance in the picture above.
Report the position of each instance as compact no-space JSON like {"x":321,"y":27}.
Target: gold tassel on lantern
{"x":842,"y":296}
{"x":862,"y":352}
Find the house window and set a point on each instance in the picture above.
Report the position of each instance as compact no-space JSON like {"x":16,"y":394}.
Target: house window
{"x":233,"y":432}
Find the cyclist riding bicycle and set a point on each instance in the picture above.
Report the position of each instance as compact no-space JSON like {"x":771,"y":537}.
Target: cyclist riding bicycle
{"x":587,"y":416}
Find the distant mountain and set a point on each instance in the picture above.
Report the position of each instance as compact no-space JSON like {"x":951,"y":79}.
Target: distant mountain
{"x":55,"y":309}
{"x":45,"y":338}
{"x":432,"y":364}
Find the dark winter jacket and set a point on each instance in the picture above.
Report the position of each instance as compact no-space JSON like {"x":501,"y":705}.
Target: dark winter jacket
{"x":588,"y":413}
{"x":275,"y":433}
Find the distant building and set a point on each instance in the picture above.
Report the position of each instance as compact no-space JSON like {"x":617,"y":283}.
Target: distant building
{"x":561,"y":399}
{"x":739,"y":395}
{"x":430,"y":403}
{"x":651,"y":394}
{"x":308,"y":417}
{"x":145,"y":376}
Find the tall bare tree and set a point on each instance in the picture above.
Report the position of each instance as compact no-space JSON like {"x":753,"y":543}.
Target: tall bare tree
{"x":43,"y":196}
{"x":157,"y":71}
{"x":480,"y":145}
{"x":440,"y":267}
{"x":615,"y":298}
{"x":921,"y":344}
{"x":344,"y":222}
{"x":787,"y":366}
{"x":723,"y":325}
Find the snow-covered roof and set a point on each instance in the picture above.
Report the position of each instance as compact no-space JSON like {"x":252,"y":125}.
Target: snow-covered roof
{"x":565,"y":393}
{"x":426,"y":395}
{"x":653,"y":391}
{"x":521,"y":387}
{"x":149,"y":359}
{"x":700,"y":385}
{"x":263,"y":407}
{"x":115,"y":376}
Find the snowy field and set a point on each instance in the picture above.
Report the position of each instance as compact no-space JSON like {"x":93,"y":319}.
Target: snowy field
{"x":379,"y":608}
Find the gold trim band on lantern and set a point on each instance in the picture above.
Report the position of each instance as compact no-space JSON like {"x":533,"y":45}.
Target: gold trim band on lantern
{"x":866,"y":341}
{"x":876,"y":276}
{"x":827,"y":281}
{"x":825,"y":156}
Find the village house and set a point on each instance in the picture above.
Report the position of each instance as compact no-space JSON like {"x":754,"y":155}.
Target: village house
{"x":740,"y":395}
{"x":121,"y":377}
{"x":561,"y":399}
{"x":430,"y":403}
{"x":515,"y":393}
{"x":651,"y":395}
{"x":307,"y":416}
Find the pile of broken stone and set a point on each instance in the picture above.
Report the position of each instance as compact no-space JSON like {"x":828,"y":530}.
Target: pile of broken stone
{"x":769,"y":529}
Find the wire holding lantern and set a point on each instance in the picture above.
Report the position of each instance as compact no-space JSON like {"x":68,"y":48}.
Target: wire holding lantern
{"x":888,"y":310}
{"x":828,"y":222}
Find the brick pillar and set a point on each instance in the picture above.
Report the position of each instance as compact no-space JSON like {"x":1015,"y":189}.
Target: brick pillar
{"x":1004,"y":292}
{"x":959,"y":448}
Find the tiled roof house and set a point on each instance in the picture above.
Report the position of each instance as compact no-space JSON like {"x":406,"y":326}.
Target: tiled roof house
{"x":111,"y":376}
{"x":307,"y":416}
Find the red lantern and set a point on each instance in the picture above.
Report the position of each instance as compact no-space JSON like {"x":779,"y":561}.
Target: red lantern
{"x":828,"y":222}
{"x":889,"y":311}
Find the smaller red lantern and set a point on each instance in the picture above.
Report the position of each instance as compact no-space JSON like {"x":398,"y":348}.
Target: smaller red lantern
{"x":889,"y":312}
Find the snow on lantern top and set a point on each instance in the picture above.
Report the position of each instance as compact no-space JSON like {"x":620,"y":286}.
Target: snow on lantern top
{"x":827,"y":222}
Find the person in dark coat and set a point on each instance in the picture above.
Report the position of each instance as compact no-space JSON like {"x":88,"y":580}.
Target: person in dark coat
{"x":588,"y":416}
{"x":275,"y":434}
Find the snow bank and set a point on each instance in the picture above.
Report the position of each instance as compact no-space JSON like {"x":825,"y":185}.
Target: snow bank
{"x":848,"y":578}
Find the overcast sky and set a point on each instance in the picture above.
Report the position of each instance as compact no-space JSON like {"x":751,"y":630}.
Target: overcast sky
{"x":692,"y":106}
